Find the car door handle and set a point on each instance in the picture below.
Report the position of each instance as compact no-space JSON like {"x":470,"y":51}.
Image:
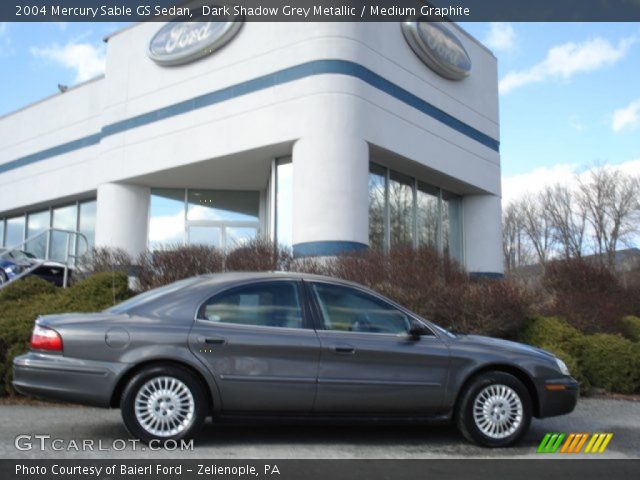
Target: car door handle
{"x":344,"y":349}
{"x":215,"y":341}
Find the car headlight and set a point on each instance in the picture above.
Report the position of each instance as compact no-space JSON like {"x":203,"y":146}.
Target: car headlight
{"x":15,"y":269}
{"x":562,"y":366}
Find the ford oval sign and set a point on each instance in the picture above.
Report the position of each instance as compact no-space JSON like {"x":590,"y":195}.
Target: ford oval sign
{"x":183,"y":42}
{"x":438,"y":48}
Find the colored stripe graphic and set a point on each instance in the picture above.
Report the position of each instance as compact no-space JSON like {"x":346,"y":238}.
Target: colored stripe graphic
{"x":574,"y":443}
{"x":550,"y":443}
{"x":598,"y":442}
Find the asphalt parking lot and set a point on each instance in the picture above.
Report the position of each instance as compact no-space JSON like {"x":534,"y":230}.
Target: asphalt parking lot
{"x":75,"y":424}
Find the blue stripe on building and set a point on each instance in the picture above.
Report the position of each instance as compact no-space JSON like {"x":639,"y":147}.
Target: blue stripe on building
{"x":316,"y":67}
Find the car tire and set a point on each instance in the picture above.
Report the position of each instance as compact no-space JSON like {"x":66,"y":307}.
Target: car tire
{"x":164,"y":402}
{"x":494,"y":410}
{"x":3,"y":278}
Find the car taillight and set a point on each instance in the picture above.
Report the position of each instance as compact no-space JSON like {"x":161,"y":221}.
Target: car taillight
{"x":44,"y":338}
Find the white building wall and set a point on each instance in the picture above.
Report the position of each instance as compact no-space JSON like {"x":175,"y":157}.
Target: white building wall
{"x":330,"y":118}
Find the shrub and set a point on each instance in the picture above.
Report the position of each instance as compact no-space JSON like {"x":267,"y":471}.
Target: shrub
{"x":632,"y":327}
{"x":551,"y":331}
{"x":611,"y":362}
{"x":257,"y":256}
{"x":25,"y":300}
{"x":166,"y":266}
{"x":27,"y":287}
{"x":97,"y":292}
{"x":589,"y":296}
{"x":105,"y":260}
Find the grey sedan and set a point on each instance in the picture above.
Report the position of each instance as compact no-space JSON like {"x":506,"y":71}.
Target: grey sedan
{"x":240,"y":345}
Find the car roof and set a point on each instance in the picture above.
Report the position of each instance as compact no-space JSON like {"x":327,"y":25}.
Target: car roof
{"x":233,"y":277}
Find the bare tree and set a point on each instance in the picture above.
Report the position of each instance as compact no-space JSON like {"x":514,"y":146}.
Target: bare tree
{"x":611,"y":201}
{"x":537,"y":226}
{"x":568,"y":217}
{"x":515,"y":248}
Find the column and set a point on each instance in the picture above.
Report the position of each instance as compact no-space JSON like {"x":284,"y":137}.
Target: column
{"x":122,"y":217}
{"x":482,"y":230}
{"x":330,"y":194}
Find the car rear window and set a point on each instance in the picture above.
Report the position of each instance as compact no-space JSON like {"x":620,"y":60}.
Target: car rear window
{"x":150,"y":296}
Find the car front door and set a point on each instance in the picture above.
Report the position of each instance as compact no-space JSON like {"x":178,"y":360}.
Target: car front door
{"x":368,"y":362}
{"x":257,"y":342}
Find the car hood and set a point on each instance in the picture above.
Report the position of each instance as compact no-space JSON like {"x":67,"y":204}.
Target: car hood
{"x":493,"y":344}
{"x":29,"y":262}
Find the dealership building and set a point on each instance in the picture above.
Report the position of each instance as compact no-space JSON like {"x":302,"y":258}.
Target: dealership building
{"x":327,"y":137}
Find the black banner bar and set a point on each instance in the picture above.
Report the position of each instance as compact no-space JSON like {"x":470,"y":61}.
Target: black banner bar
{"x":537,"y":469}
{"x":320,"y":10}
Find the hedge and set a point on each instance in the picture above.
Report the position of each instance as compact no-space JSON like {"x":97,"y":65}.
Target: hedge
{"x":632,"y":327}
{"x":23,"y":301}
{"x":602,"y":360}
{"x":611,"y":362}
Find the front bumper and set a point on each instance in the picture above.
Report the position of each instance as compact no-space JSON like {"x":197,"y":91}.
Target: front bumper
{"x":60,"y":378}
{"x":558,"y":396}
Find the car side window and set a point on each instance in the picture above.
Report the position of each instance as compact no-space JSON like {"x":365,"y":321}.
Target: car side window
{"x":347,"y":309}
{"x":266,"y":305}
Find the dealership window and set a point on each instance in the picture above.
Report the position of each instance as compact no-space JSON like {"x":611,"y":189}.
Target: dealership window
{"x":377,"y":215}
{"x":284,"y":202}
{"x":37,"y":224}
{"x":401,"y":210}
{"x":76,"y":217}
{"x":428,"y":212}
{"x":14,"y":234}
{"x":87,"y":222}
{"x":219,"y":218}
{"x":64,"y":218}
{"x":404,"y":211}
{"x":1,"y":232}
{"x":166,"y":218}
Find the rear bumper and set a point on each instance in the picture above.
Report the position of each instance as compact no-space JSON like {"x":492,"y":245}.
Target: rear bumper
{"x":59,"y":378}
{"x":558,"y":397}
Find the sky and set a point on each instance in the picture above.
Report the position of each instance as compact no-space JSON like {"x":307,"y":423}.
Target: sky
{"x":569,"y":92}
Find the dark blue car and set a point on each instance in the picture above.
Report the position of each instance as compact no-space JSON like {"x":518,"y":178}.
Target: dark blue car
{"x":16,"y":262}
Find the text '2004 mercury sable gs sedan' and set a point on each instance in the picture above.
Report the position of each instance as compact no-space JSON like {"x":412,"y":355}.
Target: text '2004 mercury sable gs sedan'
{"x":286,"y":345}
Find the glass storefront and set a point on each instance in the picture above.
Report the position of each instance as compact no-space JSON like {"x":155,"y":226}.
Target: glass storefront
{"x":78,"y":216}
{"x":401,"y":210}
{"x":284,"y":202}
{"x":37,"y":224}
{"x":167,"y":217}
{"x":87,"y":223}
{"x":64,"y":218}
{"x":404,"y":211}
{"x":377,"y":211}
{"x":14,"y":228}
{"x":219,"y":218}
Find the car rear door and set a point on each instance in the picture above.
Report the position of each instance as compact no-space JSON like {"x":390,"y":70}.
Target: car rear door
{"x":368,"y":362}
{"x":258,"y":342}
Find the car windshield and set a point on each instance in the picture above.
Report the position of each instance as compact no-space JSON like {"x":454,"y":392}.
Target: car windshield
{"x":16,"y":254}
{"x":149,"y":296}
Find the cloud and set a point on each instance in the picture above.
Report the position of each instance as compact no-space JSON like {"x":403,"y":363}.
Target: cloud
{"x":535,"y":181}
{"x":564,"y":61}
{"x":626,"y":117}
{"x":6,"y":45}
{"x":501,"y":37}
{"x":86,"y":60}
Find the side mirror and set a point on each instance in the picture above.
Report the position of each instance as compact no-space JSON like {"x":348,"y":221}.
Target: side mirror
{"x":416,"y":331}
